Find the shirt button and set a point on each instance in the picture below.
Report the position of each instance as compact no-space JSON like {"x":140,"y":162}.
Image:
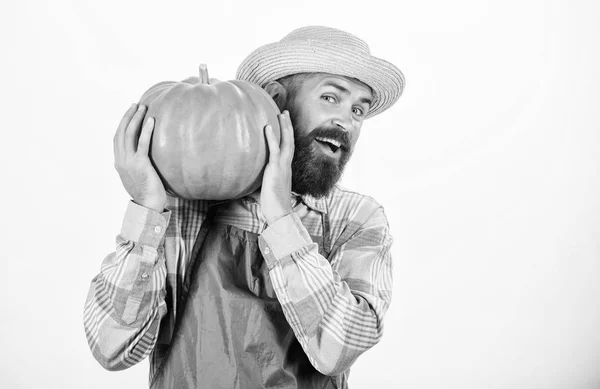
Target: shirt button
{"x":157,"y":229}
{"x":144,"y":276}
{"x":267,"y":250}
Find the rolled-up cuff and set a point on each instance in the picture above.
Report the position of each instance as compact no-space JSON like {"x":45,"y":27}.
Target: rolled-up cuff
{"x":282,"y":238}
{"x":144,"y":225}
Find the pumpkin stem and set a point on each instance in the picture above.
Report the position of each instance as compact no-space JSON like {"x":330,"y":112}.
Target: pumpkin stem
{"x":203,"y":74}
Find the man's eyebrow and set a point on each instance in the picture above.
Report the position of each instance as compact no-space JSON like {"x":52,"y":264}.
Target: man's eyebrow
{"x":337,"y":86}
{"x":365,"y":100}
{"x":345,"y":91}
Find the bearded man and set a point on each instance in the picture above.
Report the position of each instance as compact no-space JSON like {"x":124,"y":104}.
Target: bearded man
{"x":284,"y":288}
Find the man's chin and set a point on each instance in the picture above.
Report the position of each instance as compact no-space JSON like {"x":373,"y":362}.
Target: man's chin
{"x":316,"y":184}
{"x":320,"y":193}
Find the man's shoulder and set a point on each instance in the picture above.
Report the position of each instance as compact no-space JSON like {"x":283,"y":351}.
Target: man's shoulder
{"x":343,"y":196}
{"x":346,"y":203}
{"x":352,"y":214}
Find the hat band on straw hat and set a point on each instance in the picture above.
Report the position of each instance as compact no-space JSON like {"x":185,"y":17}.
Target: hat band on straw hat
{"x":325,"y":50}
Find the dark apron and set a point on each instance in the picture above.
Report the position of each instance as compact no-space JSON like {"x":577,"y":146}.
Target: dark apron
{"x":232,"y":332}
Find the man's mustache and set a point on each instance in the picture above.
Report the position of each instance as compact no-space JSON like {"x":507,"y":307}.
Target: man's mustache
{"x":333,"y":133}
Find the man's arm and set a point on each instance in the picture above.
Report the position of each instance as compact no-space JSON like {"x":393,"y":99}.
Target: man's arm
{"x":126,"y":300}
{"x":335,"y":309}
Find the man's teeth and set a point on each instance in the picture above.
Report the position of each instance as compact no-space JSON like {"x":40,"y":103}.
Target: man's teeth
{"x":328,"y":140}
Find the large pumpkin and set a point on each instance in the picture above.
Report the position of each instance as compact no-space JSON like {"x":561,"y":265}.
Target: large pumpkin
{"x":208,"y":141}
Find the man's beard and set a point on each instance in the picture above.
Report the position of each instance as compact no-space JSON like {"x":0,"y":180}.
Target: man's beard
{"x":313,"y":173}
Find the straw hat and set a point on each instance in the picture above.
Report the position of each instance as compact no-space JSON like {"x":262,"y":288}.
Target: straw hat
{"x":328,"y":50}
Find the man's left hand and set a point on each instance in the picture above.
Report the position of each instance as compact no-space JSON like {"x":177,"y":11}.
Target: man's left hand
{"x":275,"y":195}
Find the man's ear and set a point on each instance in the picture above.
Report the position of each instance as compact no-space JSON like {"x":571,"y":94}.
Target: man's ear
{"x":278,"y":93}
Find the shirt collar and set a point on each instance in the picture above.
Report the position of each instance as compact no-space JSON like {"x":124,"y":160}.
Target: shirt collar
{"x":318,"y":204}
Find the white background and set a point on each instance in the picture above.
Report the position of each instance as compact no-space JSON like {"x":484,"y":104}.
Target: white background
{"x":488,"y":168}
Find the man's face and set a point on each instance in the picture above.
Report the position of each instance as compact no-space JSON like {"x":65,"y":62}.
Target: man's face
{"x":327,"y":112}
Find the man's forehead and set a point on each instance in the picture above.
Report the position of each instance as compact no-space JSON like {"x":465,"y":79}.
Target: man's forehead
{"x":320,"y":80}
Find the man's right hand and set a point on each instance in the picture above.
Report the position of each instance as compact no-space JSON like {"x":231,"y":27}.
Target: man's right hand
{"x":131,"y":147}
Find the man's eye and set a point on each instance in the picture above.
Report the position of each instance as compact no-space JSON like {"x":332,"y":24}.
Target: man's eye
{"x":328,"y":98}
{"x":358,"y":111}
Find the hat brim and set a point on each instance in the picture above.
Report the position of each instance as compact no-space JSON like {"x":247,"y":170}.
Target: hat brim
{"x":276,"y":60}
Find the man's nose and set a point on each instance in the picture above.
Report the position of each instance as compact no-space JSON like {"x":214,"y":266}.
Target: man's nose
{"x":343,"y":121}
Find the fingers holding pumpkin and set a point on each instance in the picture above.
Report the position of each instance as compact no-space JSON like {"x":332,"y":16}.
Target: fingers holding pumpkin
{"x":272,"y":143}
{"x":132,"y":131}
{"x":119,"y":138}
{"x":287,"y":137}
{"x":284,"y":147}
{"x":277,"y":177}
{"x":145,"y":136}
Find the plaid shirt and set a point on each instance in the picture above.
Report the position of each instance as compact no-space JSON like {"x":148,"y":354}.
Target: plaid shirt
{"x":335,"y":306}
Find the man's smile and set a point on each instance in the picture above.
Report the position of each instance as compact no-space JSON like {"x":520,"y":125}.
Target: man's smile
{"x":329,"y":146}
{"x":332,"y":146}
